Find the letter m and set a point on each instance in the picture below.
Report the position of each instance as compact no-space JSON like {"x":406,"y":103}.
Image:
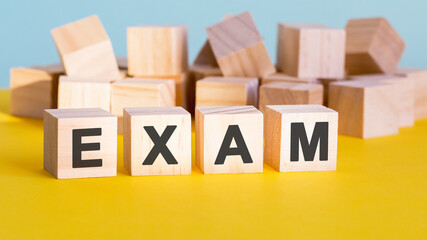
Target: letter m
{"x":299,"y":135}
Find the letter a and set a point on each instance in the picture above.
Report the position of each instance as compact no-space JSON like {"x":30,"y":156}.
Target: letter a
{"x":241,"y":149}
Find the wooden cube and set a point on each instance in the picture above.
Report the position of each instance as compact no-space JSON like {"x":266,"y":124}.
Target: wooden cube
{"x":34,"y":89}
{"x":286,"y":93}
{"x":229,"y":139}
{"x":326,"y":82}
{"x":373,"y":46}
{"x":206,"y":56}
{"x":80,"y":143}
{"x":419,"y":77}
{"x":227,"y":91}
{"x":310,"y":50}
{"x":85,"y":49}
{"x":282,"y":77}
{"x":157,"y":141}
{"x":239,"y":48}
{"x":300,"y":138}
{"x":157,"y":50}
{"x":83,"y":93}
{"x":367,"y":109}
{"x":136,"y":92}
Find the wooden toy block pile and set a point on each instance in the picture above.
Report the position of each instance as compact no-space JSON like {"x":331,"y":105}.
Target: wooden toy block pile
{"x":237,"y":96}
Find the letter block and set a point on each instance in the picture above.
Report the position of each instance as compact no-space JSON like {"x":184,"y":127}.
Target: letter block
{"x":229,"y":139}
{"x":227,"y":91}
{"x":157,"y":141}
{"x":419,"y":76}
{"x":300,"y":138}
{"x":83,"y":93}
{"x":80,"y":143}
{"x":85,"y":49}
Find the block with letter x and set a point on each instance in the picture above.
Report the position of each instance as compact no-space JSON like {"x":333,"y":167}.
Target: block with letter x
{"x":300,"y":138}
{"x":157,"y":141}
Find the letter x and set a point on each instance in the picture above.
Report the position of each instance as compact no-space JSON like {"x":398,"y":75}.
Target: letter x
{"x":160,"y":145}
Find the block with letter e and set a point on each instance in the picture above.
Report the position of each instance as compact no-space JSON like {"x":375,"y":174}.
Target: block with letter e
{"x":300,"y":138}
{"x":229,"y":139}
{"x":80,"y":143}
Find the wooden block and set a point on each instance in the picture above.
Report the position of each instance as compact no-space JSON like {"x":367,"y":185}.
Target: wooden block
{"x":80,"y":143}
{"x":373,"y":46}
{"x":122,"y":63}
{"x":419,"y":76}
{"x":367,"y":109}
{"x":157,"y":50}
{"x":287,"y":93}
{"x":85,"y":49}
{"x":405,"y":103}
{"x":239,"y":48}
{"x":136,"y":92}
{"x":229,"y":139}
{"x":226,"y":91}
{"x":326,"y":82}
{"x":34,"y":89}
{"x":310,"y":50}
{"x":157,"y":141}
{"x":282,"y":77}
{"x":83,"y":93}
{"x":300,"y":138}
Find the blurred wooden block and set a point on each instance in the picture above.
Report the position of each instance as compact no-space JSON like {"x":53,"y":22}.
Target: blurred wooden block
{"x":85,"y":49}
{"x":286,"y":93}
{"x":157,"y":141}
{"x":367,"y":109}
{"x":83,"y":93}
{"x":80,"y":143}
{"x":227,"y":91}
{"x":326,"y":82}
{"x":311,"y":50}
{"x":229,"y":139}
{"x":157,"y":50}
{"x":239,"y":48}
{"x":373,"y":46}
{"x":419,"y":76}
{"x":34,"y":89}
{"x":282,"y":77}
{"x":122,"y":63}
{"x":206,"y":56}
{"x":405,"y":103}
{"x":300,"y":138}
{"x":136,"y":92}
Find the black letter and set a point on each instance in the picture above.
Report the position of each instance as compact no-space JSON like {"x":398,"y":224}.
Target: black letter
{"x":159,"y":145}
{"x":241,"y":149}
{"x":320,"y":133}
{"x":78,"y":147}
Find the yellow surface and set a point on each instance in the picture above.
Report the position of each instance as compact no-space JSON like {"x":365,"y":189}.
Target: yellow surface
{"x":379,"y":191}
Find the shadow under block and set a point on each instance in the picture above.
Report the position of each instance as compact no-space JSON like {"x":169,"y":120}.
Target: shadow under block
{"x":367,"y":109}
{"x":419,"y":76}
{"x":136,"y":92}
{"x":286,"y":93}
{"x":229,"y":139}
{"x":80,"y":143}
{"x":83,"y":93}
{"x":157,"y":50}
{"x":157,"y":141}
{"x":226,"y":91}
{"x":239,"y":48}
{"x":311,"y":50}
{"x":300,"y":138}
{"x":85,"y":49}
{"x":373,"y":46}
{"x":34,"y":89}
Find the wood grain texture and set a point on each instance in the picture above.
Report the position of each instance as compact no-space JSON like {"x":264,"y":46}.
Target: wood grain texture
{"x":288,"y":93}
{"x":310,"y":50}
{"x":34,"y":89}
{"x":157,"y":50}
{"x":367,"y":109}
{"x":211,"y":126}
{"x":419,"y":76}
{"x":227,"y":91}
{"x":282,"y":77}
{"x":85,"y":49}
{"x":58,"y":142}
{"x":373,"y":46}
{"x":277,"y":130}
{"x":239,"y":48}
{"x":138,"y":144}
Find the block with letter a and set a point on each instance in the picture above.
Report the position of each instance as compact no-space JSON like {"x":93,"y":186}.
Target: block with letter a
{"x":300,"y":138}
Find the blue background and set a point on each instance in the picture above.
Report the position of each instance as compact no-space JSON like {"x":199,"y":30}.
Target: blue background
{"x":26,"y":40}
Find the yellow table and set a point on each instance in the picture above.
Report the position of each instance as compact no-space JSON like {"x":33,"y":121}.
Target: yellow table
{"x":378,"y":191}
